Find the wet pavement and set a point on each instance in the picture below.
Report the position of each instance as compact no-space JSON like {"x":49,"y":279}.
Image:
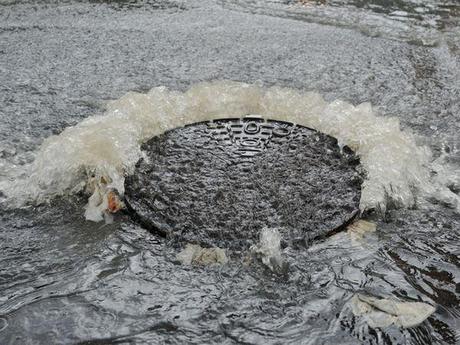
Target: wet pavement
{"x":67,"y":281}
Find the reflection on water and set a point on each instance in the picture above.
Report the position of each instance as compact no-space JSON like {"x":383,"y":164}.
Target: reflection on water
{"x":67,"y":281}
{"x":419,"y":22}
{"x":446,"y":9}
{"x":151,"y":5}
{"x":71,"y":280}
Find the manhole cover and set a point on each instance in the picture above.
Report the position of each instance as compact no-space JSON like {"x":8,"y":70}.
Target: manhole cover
{"x":219,"y":183}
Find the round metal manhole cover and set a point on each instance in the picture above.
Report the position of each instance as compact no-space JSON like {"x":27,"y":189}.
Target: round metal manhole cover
{"x":219,"y":183}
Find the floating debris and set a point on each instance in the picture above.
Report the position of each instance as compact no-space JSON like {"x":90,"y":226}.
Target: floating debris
{"x":194,"y":254}
{"x":360,"y":228}
{"x":384,"y":312}
{"x":114,"y":201}
{"x":104,"y":200}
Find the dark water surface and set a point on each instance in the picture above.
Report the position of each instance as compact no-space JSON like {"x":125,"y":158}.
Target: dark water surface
{"x":67,"y":281}
{"x":218,"y":184}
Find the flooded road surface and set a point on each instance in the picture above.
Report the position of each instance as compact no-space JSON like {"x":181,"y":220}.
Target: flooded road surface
{"x":64,"y":280}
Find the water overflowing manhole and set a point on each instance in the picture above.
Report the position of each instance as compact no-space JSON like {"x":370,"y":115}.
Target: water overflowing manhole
{"x":219,"y":183}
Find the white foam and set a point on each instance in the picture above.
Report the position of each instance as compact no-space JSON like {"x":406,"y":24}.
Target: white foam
{"x":109,"y":145}
{"x":268,"y":249}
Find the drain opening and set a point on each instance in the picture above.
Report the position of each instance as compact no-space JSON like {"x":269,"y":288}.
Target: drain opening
{"x":219,"y":183}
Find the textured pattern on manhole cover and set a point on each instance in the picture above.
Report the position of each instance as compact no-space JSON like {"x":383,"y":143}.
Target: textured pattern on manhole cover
{"x":220,"y":183}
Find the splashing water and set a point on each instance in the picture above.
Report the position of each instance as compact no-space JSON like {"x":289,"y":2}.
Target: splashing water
{"x":108,"y":146}
{"x":268,"y":249}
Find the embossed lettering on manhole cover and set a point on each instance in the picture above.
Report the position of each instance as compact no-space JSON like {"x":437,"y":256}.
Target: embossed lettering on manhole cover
{"x":219,"y":183}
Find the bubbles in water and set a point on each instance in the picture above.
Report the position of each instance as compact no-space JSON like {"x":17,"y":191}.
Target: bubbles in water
{"x":108,"y":145}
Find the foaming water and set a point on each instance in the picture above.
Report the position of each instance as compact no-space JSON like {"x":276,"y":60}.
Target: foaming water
{"x":108,"y":145}
{"x":269,"y":249}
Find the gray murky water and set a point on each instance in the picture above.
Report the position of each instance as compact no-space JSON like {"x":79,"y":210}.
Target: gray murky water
{"x":67,"y":281}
